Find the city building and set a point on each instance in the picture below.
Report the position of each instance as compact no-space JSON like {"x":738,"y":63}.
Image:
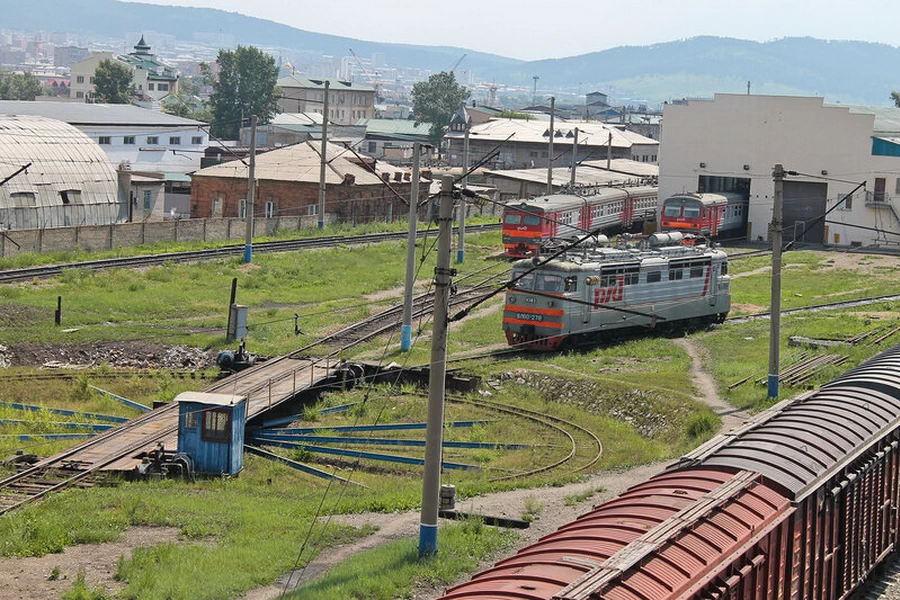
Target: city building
{"x":843,"y":163}
{"x":348,"y":102}
{"x":524,"y":143}
{"x":153,"y":80}
{"x":358,"y":190}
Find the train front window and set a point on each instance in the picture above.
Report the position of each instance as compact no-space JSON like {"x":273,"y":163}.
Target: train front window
{"x":532,"y":220}
{"x":526,"y":283}
{"x":672,"y":210}
{"x":691,"y":212}
{"x":512,"y":219}
{"x":549,"y":283}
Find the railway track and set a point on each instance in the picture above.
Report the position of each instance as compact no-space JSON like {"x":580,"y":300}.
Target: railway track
{"x":567,"y":428}
{"x":11,"y":275}
{"x":391,"y":318}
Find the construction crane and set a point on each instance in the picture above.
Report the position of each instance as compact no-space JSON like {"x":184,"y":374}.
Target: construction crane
{"x":456,"y":64}
{"x":373,"y":81}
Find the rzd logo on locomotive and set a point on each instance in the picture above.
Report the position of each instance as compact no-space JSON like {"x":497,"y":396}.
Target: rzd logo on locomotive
{"x":613,"y":293}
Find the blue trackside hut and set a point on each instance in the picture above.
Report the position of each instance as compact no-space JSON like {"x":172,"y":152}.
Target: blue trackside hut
{"x":211,"y":431}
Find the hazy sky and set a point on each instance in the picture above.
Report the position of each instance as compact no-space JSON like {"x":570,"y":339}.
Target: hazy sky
{"x":529,"y":30}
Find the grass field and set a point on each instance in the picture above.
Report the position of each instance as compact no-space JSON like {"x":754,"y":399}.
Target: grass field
{"x":243,"y":532}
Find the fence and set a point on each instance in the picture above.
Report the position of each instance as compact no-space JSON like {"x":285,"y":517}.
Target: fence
{"x":121,"y":235}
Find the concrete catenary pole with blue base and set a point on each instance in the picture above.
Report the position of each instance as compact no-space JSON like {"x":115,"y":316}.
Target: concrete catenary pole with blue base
{"x":434,"y":430}
{"x":406,"y":328}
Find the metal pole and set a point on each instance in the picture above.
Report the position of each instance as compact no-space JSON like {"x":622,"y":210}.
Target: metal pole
{"x":461,"y":246}
{"x":251,"y":189}
{"x":550,"y":157}
{"x":323,"y":163}
{"x":406,"y":329}
{"x":434,"y":431}
{"x":609,"y":152}
{"x":574,"y":161}
{"x":775,"y":319}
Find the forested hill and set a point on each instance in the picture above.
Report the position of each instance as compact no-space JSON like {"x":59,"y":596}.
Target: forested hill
{"x":847,"y":71}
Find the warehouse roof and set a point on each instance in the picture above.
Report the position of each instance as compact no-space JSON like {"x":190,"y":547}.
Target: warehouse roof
{"x":590,"y":133}
{"x":301,"y":163}
{"x":81,"y":114}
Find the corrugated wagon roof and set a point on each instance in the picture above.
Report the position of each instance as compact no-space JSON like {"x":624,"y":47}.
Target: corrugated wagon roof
{"x":799,"y":443}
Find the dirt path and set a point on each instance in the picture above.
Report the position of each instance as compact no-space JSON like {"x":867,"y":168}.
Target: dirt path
{"x":47,"y":577}
{"x":703,"y":381}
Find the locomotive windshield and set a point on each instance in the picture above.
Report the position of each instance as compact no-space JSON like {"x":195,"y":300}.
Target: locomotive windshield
{"x":672,"y":210}
{"x":548,"y":283}
{"x":518,"y":219}
{"x":691,"y":212}
{"x":526,"y":283}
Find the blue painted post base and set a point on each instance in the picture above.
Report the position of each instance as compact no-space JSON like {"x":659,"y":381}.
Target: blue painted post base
{"x":773,"y":386}
{"x":427,"y":540}
{"x":460,"y":255}
{"x":321,"y":224}
{"x":405,"y":338}
{"x":248,"y":253}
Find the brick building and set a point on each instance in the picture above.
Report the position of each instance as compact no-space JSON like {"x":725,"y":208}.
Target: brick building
{"x":358,"y":190}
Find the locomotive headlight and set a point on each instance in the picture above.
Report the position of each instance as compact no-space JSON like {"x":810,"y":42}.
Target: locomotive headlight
{"x":592,"y":280}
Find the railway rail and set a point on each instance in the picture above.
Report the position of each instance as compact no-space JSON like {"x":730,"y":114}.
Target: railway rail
{"x":11,"y":275}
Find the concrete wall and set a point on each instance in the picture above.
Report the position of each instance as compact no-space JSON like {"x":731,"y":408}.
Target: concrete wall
{"x":744,"y":136}
{"x":121,"y":235}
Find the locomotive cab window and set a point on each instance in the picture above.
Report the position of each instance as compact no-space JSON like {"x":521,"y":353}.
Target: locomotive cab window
{"x":532,"y":220}
{"x":672,"y":211}
{"x":571,"y":284}
{"x":526,"y":283}
{"x":512,"y":219}
{"x":549,"y":283}
{"x":691,"y":212}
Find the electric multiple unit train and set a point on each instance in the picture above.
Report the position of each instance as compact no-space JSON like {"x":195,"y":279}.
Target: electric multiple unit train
{"x":721,"y":214}
{"x":587,"y":292}
{"x":527,"y":226}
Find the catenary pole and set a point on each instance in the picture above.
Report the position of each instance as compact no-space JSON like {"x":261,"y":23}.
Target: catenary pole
{"x":461,"y":246}
{"x":251,"y":191}
{"x":434,"y":430}
{"x":324,"y":161}
{"x":574,"y":159}
{"x":775,"y":319}
{"x":550,"y":149}
{"x":406,"y":328}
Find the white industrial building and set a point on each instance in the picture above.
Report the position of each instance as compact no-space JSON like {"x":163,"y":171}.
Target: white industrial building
{"x":732,"y":143}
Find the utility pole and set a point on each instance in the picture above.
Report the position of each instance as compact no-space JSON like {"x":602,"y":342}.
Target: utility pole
{"x":550,"y":157}
{"x":574,"y":159}
{"x":534,"y":94}
{"x":775,"y":310}
{"x":434,"y":429}
{"x":324,"y":162}
{"x":251,"y":191}
{"x":463,"y":206}
{"x":609,"y":152}
{"x":406,"y":328}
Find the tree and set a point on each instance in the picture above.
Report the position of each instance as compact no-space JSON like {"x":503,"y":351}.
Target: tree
{"x":895,"y":96}
{"x":187,"y":102}
{"x":19,"y":86}
{"x":436,"y":100}
{"x":112,"y":83}
{"x":246,"y":85}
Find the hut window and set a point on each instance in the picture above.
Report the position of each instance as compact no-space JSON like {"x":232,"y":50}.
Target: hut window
{"x":190,"y":420}
{"x":148,"y":199}
{"x":242,"y":208}
{"x":104,"y":140}
{"x":216,"y":426}
{"x":270,"y":209}
{"x":128,"y":140}
{"x":197,"y":140}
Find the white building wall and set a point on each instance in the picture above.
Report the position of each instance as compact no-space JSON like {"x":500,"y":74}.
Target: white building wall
{"x":746,"y":135}
{"x":164,"y":156}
